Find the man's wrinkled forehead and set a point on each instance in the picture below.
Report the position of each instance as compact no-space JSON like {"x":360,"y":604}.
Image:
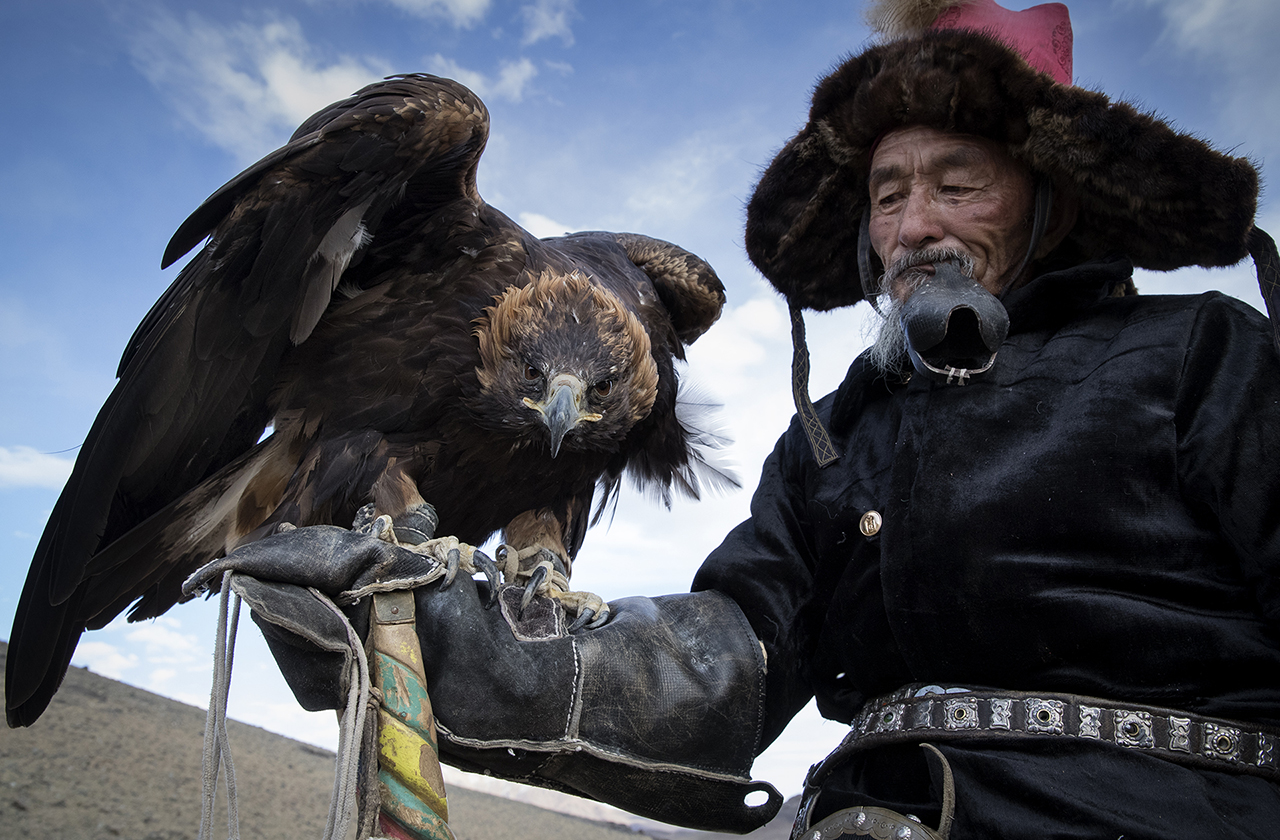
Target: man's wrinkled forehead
{"x":901,"y":152}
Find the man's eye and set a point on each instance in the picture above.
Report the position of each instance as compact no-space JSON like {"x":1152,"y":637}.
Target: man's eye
{"x":889,"y":200}
{"x":956,"y":189}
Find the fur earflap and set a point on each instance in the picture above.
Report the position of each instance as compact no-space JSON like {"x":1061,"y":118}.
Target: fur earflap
{"x":1163,"y":199}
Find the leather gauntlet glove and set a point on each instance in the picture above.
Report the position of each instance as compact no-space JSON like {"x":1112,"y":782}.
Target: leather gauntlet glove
{"x":658,"y":712}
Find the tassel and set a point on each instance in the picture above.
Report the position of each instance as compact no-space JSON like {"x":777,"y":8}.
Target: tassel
{"x":906,"y":18}
{"x":1267,"y":262}
{"x":824,"y":451}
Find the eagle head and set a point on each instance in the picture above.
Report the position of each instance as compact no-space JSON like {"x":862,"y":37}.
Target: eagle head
{"x":565,"y":362}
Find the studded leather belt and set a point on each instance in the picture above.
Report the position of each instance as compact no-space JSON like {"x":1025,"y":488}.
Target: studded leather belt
{"x":917,"y":713}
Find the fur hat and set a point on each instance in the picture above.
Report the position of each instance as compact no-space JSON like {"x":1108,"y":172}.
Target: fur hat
{"x":1162,"y":198}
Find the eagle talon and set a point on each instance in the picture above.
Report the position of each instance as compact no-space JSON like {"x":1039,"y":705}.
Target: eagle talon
{"x":591,"y":610}
{"x":585,"y":617}
{"x":452,"y":561}
{"x":536,"y":579}
{"x":485,"y":564}
{"x":381,"y":529}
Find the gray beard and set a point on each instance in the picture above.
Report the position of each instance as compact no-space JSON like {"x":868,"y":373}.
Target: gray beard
{"x":888,"y":352}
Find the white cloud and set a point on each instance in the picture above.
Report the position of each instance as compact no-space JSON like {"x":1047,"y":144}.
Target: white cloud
{"x":510,"y":84}
{"x":745,"y":338}
{"x":22,"y":466}
{"x":104,"y":658}
{"x":548,"y":19}
{"x":680,"y":186}
{"x":462,"y":13}
{"x":541,"y":226}
{"x":1221,"y":27}
{"x":163,"y":642}
{"x":245,"y":86}
{"x":1236,"y":40}
{"x":160,"y":677}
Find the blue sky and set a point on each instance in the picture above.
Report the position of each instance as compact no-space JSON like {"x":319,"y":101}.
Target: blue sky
{"x":653,"y":116}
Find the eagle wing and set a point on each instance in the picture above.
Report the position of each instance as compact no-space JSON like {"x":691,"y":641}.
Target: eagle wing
{"x":196,"y":376}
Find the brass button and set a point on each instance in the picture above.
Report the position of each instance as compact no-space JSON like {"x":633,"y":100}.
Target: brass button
{"x":870,"y":523}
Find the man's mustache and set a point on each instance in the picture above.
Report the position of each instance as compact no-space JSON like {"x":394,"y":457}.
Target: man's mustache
{"x":926,"y":256}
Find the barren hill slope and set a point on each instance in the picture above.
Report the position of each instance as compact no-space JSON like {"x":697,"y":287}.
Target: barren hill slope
{"x":111,"y":761}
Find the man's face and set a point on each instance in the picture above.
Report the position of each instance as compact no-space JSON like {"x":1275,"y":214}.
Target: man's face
{"x":932,"y":189}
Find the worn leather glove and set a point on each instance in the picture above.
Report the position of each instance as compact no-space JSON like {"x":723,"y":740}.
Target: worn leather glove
{"x":658,"y":712}
{"x":334,"y":560}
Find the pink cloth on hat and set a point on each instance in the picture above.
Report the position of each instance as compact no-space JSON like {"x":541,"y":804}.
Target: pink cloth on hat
{"x":1041,"y":34}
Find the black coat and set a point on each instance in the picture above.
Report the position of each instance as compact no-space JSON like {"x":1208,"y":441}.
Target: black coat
{"x":1099,"y":514}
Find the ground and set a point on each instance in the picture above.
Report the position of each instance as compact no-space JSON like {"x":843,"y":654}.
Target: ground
{"x":111,"y":761}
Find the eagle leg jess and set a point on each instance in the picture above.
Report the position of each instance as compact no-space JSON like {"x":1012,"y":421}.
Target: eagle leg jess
{"x":415,"y":529}
{"x":416,"y":525}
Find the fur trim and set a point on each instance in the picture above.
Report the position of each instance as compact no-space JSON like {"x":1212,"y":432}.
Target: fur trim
{"x":906,"y":18}
{"x":1163,"y":199}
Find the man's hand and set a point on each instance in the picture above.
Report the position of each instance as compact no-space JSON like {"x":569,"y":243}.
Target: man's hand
{"x":331,"y":559}
{"x":377,"y":554}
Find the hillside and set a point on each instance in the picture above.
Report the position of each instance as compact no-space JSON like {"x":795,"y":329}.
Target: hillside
{"x":108,"y":760}
{"x":111,"y":761}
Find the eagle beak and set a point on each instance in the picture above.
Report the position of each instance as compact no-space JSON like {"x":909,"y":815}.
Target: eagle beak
{"x":563,"y":408}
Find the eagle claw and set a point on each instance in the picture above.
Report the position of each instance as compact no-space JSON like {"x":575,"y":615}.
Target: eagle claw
{"x":536,"y":579}
{"x":485,"y":564}
{"x":543,"y":573}
{"x":452,"y":560}
{"x":365,"y":518}
{"x":584,"y":619}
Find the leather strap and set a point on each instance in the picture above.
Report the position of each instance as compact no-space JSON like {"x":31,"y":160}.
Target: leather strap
{"x":824,"y":450}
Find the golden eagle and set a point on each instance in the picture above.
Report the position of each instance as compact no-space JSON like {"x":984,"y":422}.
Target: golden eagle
{"x":403,"y":340}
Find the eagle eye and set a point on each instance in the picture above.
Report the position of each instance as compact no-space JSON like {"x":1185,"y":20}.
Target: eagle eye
{"x":531,"y":373}
{"x":604,"y":387}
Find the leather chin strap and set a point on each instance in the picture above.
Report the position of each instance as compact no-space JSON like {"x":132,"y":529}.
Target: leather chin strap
{"x":1039,"y":223}
{"x":870,"y":288}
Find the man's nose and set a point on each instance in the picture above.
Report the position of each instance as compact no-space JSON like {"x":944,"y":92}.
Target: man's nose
{"x":920,"y":221}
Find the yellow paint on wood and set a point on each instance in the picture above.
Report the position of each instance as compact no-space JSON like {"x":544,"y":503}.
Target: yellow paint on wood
{"x":412,"y":761}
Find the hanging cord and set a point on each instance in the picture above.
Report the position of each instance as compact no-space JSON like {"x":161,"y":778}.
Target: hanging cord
{"x":355,"y":746}
{"x":352,"y":740}
{"x":217,"y":747}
